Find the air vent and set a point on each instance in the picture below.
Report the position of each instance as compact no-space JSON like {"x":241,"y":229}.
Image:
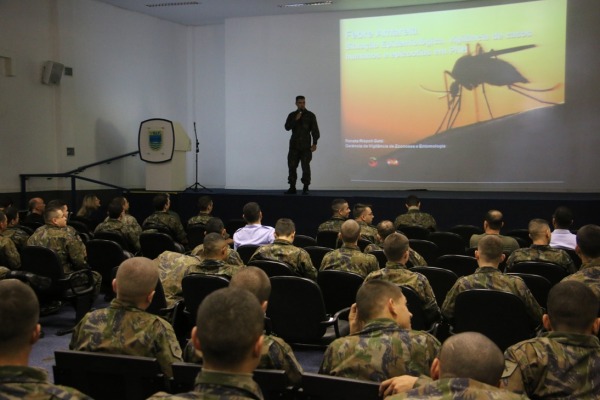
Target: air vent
{"x":314,"y":3}
{"x":174,"y":4}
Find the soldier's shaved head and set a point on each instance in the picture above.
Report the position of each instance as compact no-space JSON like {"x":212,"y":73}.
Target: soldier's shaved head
{"x":19,"y":315}
{"x":213,"y":245}
{"x":350,"y":231}
{"x":395,"y":246}
{"x":253,"y":279}
{"x":136,"y":279}
{"x":490,"y":249}
{"x":572,"y":307}
{"x":385,"y":228}
{"x":372,"y":297}
{"x":538,"y":228}
{"x":471,"y":355}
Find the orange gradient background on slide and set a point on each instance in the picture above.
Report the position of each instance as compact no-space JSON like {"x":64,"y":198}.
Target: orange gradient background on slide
{"x":390,"y":97}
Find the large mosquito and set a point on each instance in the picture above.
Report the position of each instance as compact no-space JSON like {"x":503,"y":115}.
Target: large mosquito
{"x":483,"y":68}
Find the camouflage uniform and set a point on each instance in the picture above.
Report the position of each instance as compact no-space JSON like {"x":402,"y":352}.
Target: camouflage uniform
{"x":588,"y":274}
{"x":219,"y":385}
{"x":381,"y":350}
{"x":332,"y":224}
{"x":233,"y":256}
{"x":9,"y":253}
{"x":350,"y":258}
{"x":457,"y":388}
{"x":284,"y":251}
{"x":416,"y":217}
{"x":509,"y":244}
{"x":167,"y":220}
{"x":543,"y":253}
{"x":128,"y":231}
{"x":172,"y":267}
{"x":367,"y":231}
{"x":398,"y":274}
{"x":492,"y":278}
{"x":214,"y":267}
{"x":17,"y":235}
{"x":555,"y":365}
{"x":201,"y":219}
{"x":18,"y":382}
{"x":122,"y":328}
{"x":276,"y":354}
{"x":414,"y":258}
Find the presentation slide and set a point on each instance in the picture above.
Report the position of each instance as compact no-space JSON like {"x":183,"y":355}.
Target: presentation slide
{"x":442,"y":97}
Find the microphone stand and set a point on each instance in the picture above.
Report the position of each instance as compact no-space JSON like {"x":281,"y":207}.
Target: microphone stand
{"x":196,"y":186}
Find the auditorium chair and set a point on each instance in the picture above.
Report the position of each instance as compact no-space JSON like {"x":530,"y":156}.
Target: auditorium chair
{"x":273,"y":268}
{"x":414,"y":231}
{"x":461,"y":265}
{"x":428,"y":250}
{"x":246,"y":251}
{"x":537,"y":285}
{"x":317,"y":253}
{"x":338,"y":288}
{"x":440,"y":279}
{"x":448,"y":243}
{"x":304,"y":241}
{"x":553,"y":272}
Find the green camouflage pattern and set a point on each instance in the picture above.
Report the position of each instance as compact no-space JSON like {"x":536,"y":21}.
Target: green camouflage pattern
{"x":414,"y":258}
{"x":214,"y":267}
{"x":17,"y":235}
{"x":68,"y":246}
{"x":133,"y":223}
{"x":18,"y":382}
{"x":233,"y":256}
{"x":492,"y":278}
{"x":129,"y":232}
{"x":9,"y":255}
{"x":415,"y":217}
{"x":543,"y":253}
{"x":332,"y":224}
{"x":3,"y":272}
{"x":381,"y":350}
{"x":350,"y":258}
{"x":367,"y":231}
{"x":284,"y":251}
{"x":558,"y":365}
{"x":124,"y":329}
{"x":398,"y":274}
{"x":588,"y":274}
{"x":216,"y":385}
{"x":509,"y":244}
{"x":276,"y":354}
{"x":457,"y":389}
{"x":199,"y":219}
{"x":168,"y":220}
{"x":172,"y":267}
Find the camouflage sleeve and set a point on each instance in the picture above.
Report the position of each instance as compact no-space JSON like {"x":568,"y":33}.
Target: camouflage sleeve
{"x":511,"y":260}
{"x":281,"y":356}
{"x":450,"y":300}
{"x":534,"y":310}
{"x":328,"y":363}
{"x":373,"y":264}
{"x":306,"y":266}
{"x":10,"y":254}
{"x":512,"y":378}
{"x":166,"y":346}
{"x":416,"y":259}
{"x":180,"y":233}
{"x":430,"y":305}
{"x":132,"y":237}
{"x":77,"y":253}
{"x":234,"y":258}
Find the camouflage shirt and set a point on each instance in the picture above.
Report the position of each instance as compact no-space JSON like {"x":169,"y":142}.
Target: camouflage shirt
{"x":9,"y":255}
{"x":543,"y":253}
{"x":163,"y":218}
{"x":588,"y":274}
{"x":172,"y":267}
{"x":276,"y":354}
{"x":128,"y":231}
{"x":233,"y":256}
{"x":414,"y":258}
{"x":17,"y":235}
{"x":416,"y":217}
{"x":509,"y":244}
{"x":215,"y":385}
{"x":492,"y":278}
{"x":558,"y":365}
{"x":124,"y":329}
{"x":381,"y":350}
{"x":68,"y":246}
{"x":367,"y":231}
{"x":201,"y":219}
{"x":17,"y":382}
{"x":284,"y":251}
{"x":457,"y":389}
{"x":333,"y":224}
{"x":398,"y":274}
{"x":350,"y":258}
{"x":214,"y":267}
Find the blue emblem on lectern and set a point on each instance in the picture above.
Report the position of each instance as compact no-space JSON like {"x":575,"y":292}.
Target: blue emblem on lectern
{"x":155,"y":140}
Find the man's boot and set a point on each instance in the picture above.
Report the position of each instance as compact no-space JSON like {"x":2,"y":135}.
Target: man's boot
{"x":291,"y":190}
{"x":305,"y":190}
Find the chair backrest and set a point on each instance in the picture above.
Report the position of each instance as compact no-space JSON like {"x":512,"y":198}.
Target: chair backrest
{"x":304,"y":241}
{"x":522,"y":234}
{"x":102,"y":256}
{"x":440,"y":279}
{"x":41,"y":261}
{"x":328,"y":239}
{"x":234,"y":224}
{"x":195,"y":234}
{"x":273,"y":268}
{"x":414,"y":231}
{"x":246,"y":251}
{"x":448,"y":242}
{"x":115,"y":236}
{"x":501,"y":316}
{"x":380,"y":256}
{"x":338,"y":288}
{"x":316,"y":254}
{"x":154,"y":243}
{"x":197,"y":286}
{"x":459,"y":264}
{"x":553,"y":272}
{"x":325,"y":387}
{"x":574,"y":256}
{"x":31,"y":225}
{"x":415,"y":306}
{"x":296,"y":309}
{"x":537,"y":285}
{"x":363,"y":243}
{"x":109,"y":376}
{"x":159,"y":301}
{"x":425,"y":248}
{"x":79,"y":224}
{"x":466,"y":231}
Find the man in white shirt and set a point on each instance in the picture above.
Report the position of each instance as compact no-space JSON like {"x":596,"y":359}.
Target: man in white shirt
{"x":562,"y":237}
{"x":253,"y":232}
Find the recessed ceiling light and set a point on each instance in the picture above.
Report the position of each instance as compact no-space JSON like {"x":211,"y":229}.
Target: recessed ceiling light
{"x":314,"y":3}
{"x":173,"y":4}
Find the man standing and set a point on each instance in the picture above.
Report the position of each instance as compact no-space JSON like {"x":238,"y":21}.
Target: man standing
{"x":303,"y":125}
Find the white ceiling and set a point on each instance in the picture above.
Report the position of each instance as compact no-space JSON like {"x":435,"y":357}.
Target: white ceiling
{"x":209,"y":12}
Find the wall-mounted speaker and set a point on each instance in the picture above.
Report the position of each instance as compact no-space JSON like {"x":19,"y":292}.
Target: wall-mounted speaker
{"x":52,"y":73}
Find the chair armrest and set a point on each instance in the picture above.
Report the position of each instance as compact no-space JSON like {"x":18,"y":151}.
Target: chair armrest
{"x":80,"y":290}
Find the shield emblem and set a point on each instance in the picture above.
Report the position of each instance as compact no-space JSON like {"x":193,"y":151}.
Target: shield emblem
{"x":155,"y":140}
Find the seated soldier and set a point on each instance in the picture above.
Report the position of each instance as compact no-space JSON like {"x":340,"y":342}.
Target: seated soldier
{"x":283,"y":250}
{"x":588,"y":249}
{"x":162,"y":218}
{"x":276,"y":353}
{"x":386,"y":228}
{"x":540,"y":250}
{"x":229,"y":333}
{"x":381,"y":344}
{"x":565,"y":362}
{"x":414,"y":216}
{"x":9,"y":255}
{"x":124,"y":327}
{"x":205,"y":207}
{"x":396,"y":250}
{"x":36,"y":211}
{"x":341,"y":211}
{"x":14,"y":231}
{"x":114,"y":223}
{"x":469,"y":366}
{"x":215,"y":225}
{"x":363,"y":214}
{"x":492,"y":224}
{"x":349,"y":257}
{"x":254,"y":232}
{"x":19,"y":331}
